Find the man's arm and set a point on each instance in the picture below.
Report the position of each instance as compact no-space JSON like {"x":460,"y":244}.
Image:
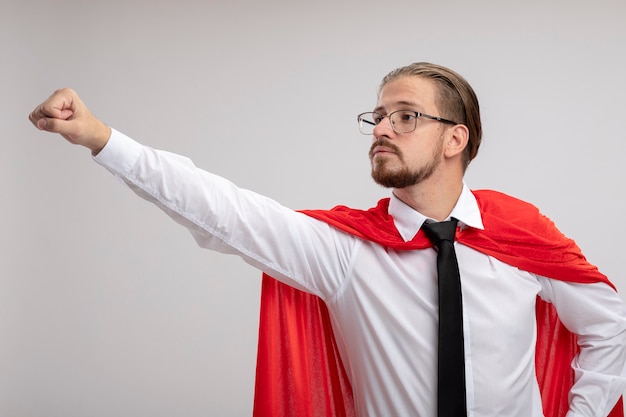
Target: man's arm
{"x":596,"y":313}
{"x":65,"y":113}
{"x":290,"y":246}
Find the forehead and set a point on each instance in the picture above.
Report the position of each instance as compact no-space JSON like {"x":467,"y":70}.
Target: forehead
{"x":408,"y":92}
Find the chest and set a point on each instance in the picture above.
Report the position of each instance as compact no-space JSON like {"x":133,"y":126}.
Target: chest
{"x":400,"y":289}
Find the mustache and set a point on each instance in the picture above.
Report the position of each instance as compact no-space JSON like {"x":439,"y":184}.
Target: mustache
{"x":383,"y":142}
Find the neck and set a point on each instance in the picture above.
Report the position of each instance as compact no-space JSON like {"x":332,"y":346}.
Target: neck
{"x":434,"y":198}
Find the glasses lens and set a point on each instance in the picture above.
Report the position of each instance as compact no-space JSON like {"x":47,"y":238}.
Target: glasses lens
{"x":366,"y":123}
{"x":403,"y":121}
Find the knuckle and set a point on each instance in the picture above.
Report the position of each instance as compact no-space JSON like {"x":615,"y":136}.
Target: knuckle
{"x":64,"y":90}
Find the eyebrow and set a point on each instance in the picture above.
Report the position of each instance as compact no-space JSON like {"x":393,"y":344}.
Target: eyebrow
{"x":411,"y":104}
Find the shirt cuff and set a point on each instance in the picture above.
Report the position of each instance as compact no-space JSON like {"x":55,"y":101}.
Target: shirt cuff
{"x":120,"y":153}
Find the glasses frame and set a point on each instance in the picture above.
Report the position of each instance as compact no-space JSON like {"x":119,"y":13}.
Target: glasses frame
{"x":418,"y":114}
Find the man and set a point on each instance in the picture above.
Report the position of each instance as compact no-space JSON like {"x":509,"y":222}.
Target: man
{"x":376,"y":271}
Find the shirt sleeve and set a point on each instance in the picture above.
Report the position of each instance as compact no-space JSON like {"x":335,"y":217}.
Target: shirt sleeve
{"x":596,"y":314}
{"x":288,"y":245}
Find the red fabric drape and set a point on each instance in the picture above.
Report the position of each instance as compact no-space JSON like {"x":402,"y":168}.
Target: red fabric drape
{"x":299,"y":372}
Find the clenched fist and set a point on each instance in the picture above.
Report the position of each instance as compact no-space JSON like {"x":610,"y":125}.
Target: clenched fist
{"x":65,"y":113}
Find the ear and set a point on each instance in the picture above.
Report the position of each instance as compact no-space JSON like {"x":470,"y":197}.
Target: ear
{"x":457,"y":137}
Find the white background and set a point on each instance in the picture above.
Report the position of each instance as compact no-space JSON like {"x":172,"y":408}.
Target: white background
{"x":107,"y":308}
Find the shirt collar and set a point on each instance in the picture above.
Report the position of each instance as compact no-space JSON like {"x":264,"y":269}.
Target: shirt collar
{"x":408,"y":221}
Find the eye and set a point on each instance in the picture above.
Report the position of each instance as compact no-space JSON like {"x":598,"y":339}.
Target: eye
{"x":377,"y":118}
{"x":407,"y":117}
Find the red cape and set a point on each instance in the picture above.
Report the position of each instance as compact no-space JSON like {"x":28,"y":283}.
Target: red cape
{"x":299,"y":371}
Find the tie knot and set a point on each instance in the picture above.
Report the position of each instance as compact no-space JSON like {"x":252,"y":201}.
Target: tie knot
{"x":440,"y":231}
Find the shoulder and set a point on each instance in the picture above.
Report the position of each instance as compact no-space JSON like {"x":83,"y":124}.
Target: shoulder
{"x":497,"y":197}
{"x":499,"y":204}
{"x":374,"y":224}
{"x":499,"y":209}
{"x":517,"y":233}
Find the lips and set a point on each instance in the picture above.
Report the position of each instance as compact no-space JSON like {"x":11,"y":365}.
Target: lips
{"x":381,"y":150}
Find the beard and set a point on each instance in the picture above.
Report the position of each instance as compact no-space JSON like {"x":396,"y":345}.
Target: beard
{"x":402,"y":177}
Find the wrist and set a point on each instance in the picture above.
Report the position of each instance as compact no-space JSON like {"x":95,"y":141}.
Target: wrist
{"x":100,"y":139}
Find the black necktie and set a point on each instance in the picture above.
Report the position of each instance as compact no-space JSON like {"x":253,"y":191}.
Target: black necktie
{"x":451,"y":362}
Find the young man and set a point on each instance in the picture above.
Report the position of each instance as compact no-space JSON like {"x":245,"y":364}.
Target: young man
{"x":377,"y":271}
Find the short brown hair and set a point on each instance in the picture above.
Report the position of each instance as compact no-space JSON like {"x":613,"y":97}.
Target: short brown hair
{"x":456,"y":100}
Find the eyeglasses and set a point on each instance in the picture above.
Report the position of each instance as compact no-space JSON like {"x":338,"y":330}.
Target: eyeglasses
{"x":402,"y":121}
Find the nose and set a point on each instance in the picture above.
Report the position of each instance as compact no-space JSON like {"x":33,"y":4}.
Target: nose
{"x":383,"y":128}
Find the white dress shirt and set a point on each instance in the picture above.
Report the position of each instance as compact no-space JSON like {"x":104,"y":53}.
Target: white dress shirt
{"x":383,"y":303}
